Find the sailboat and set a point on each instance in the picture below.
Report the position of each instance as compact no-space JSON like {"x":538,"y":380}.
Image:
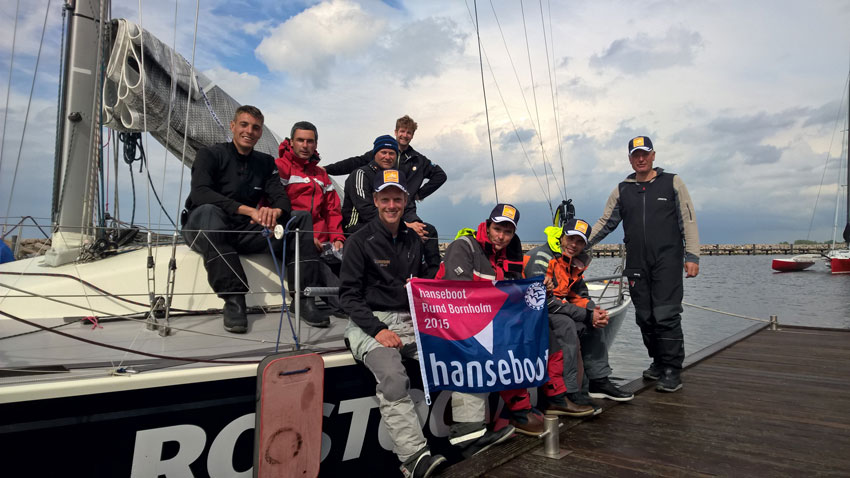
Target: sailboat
{"x":112,"y":358}
{"x":838,"y":260}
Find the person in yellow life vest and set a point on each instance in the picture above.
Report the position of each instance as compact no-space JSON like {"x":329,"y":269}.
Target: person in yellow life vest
{"x":570,"y":299}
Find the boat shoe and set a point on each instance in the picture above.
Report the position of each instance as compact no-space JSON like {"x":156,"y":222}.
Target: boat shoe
{"x":528,"y":421}
{"x":561,"y":405}
{"x":478,"y":442}
{"x":653,"y":372}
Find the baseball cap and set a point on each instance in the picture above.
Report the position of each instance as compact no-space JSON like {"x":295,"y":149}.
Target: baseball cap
{"x":389,"y":177}
{"x":385,"y":142}
{"x":577,"y":227}
{"x":505,"y":212}
{"x":640,"y":142}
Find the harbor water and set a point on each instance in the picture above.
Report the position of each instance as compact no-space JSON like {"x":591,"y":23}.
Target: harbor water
{"x":743,"y":285}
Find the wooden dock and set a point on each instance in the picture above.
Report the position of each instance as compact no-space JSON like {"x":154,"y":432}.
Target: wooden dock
{"x":762,"y":403}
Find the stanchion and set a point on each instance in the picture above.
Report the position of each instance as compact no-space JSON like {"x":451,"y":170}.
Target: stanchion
{"x":551,"y":439}
{"x":774,"y":323}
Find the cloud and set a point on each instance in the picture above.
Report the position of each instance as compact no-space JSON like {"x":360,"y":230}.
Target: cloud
{"x":237,"y":85}
{"x":825,"y":114}
{"x":308,"y":44}
{"x":642,"y":53}
{"x":508,"y":139}
{"x":421,"y":48}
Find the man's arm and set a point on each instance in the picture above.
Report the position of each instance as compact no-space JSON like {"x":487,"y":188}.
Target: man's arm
{"x":276,"y":192}
{"x":457,"y":261}
{"x":347,"y":166}
{"x":538,"y":263}
{"x":332,"y":211}
{"x":360,"y":190}
{"x":687,"y":225}
{"x":436,"y":177}
{"x":610,"y":218}
{"x":205,"y":170}
{"x":352,"y":289}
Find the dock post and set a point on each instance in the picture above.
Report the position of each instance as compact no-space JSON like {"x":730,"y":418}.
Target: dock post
{"x":550,"y":436}
{"x":774,"y":323}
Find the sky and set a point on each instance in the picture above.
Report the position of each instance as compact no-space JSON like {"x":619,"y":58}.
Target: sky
{"x":746,"y":101}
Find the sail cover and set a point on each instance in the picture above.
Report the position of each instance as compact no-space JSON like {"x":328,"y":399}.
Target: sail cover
{"x":146,"y":89}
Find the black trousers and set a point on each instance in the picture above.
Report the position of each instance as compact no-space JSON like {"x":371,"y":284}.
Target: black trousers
{"x":220,"y":238}
{"x":656,"y":290}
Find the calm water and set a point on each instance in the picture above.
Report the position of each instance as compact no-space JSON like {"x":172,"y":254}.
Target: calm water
{"x":743,"y":285}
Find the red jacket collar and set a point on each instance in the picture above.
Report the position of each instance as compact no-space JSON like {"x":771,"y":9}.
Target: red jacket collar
{"x":285,"y":151}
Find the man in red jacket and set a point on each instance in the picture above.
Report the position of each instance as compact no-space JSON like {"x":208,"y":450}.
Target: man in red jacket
{"x":316,"y":209}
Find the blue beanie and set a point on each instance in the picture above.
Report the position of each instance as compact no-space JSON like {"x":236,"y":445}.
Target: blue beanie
{"x":385,"y":142}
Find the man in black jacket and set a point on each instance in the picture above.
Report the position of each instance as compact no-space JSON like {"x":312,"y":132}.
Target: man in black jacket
{"x":661,"y":239}
{"x":224,"y":216}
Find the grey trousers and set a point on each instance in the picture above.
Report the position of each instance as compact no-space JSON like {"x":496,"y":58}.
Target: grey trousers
{"x":393,"y":384}
{"x":594,"y":352}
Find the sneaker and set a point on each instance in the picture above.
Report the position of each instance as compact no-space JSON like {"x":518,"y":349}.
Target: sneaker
{"x":581,"y":398}
{"x":311,"y":314}
{"x":527,"y":422}
{"x":653,"y":372}
{"x":483,"y":442}
{"x":235,"y":320}
{"x":561,"y":405}
{"x":603,"y":388}
{"x":422,"y":464}
{"x":671,"y":381}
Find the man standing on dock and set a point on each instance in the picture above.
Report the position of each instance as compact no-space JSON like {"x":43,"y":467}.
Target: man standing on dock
{"x":660,"y":232}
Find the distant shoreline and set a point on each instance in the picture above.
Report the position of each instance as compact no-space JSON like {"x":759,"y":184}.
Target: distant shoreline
{"x":614,"y":250}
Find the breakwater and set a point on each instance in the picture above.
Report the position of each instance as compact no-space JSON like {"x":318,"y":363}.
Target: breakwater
{"x":617,"y":250}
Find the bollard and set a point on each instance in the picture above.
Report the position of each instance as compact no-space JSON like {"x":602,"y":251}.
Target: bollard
{"x":774,"y":322}
{"x":550,"y":436}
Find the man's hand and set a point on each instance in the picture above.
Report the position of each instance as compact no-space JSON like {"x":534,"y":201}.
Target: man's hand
{"x":388,"y":338}
{"x":338,"y":245}
{"x":600,"y":317}
{"x":418,"y":227}
{"x":317,"y":243}
{"x":264,"y":216}
{"x":691,"y":269}
{"x":549,"y":283}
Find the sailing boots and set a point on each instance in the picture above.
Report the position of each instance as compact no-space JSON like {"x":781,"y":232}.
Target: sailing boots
{"x":478,"y":440}
{"x":311,"y":314}
{"x":653,"y":372}
{"x":422,"y":464}
{"x":235,"y":319}
{"x":670,"y":380}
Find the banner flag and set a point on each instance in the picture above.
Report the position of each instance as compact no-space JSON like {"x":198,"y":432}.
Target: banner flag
{"x":480,"y":336}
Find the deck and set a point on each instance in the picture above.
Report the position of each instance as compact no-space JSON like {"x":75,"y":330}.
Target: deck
{"x":775,"y":403}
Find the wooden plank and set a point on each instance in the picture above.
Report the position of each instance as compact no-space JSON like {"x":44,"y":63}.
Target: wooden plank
{"x":773,"y":404}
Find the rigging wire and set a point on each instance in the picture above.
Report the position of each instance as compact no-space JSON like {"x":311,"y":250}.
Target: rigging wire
{"x":29,"y":104}
{"x":534,"y":97}
{"x":504,"y":103}
{"x":486,"y":110}
{"x":828,"y":152}
{"x":553,"y":87}
{"x":9,"y":88}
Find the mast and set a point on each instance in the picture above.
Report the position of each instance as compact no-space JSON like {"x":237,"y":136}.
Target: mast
{"x":846,"y":234}
{"x":80,"y":133}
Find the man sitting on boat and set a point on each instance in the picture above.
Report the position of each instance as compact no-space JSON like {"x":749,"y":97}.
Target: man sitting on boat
{"x":424,"y":177}
{"x":224,"y":219}
{"x":316,"y":207}
{"x":377,"y":262}
{"x":570,"y":302}
{"x":495,"y":253}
